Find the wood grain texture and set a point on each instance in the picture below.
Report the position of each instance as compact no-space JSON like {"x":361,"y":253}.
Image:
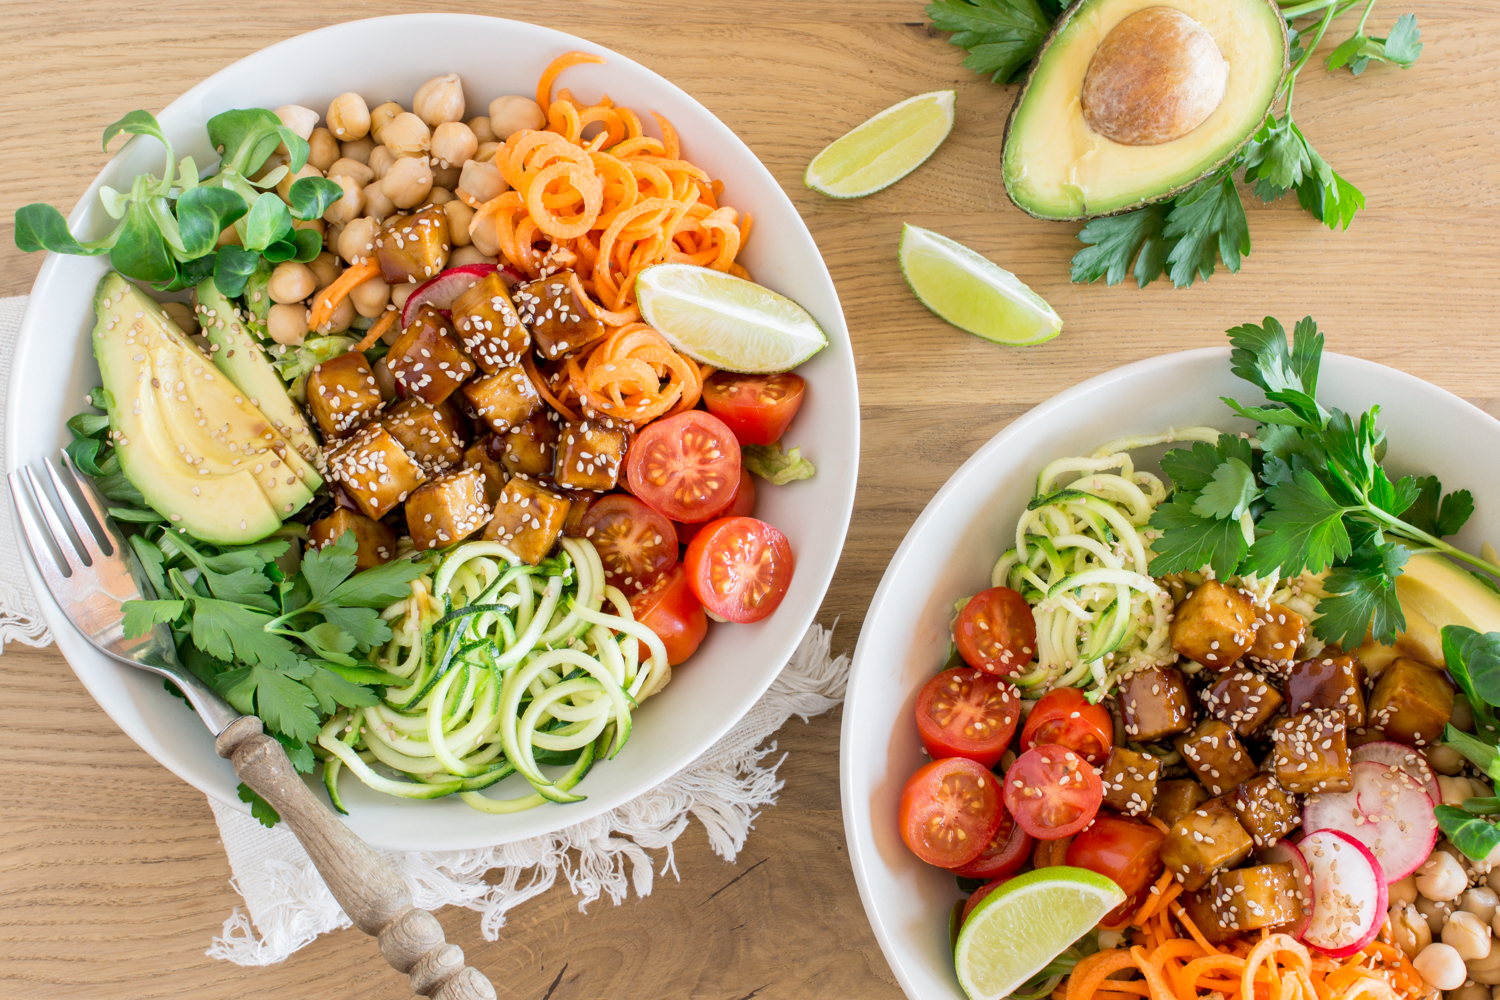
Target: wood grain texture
{"x":111,"y":876}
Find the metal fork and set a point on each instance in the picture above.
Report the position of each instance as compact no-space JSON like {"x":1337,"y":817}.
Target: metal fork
{"x":91,"y":570}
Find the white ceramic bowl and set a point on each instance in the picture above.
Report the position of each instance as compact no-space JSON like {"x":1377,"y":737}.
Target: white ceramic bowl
{"x":949,"y":551}
{"x":382,"y":59}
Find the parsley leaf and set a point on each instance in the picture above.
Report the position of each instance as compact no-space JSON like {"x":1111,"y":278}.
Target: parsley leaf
{"x":278,"y":697}
{"x":1229,"y":493}
{"x":1208,"y":222}
{"x":1439,"y":517}
{"x":364,"y":626}
{"x":259,"y":807}
{"x":1304,"y":529}
{"x":1116,"y":240}
{"x":1000,"y":35}
{"x":325,"y":568}
{"x":1191,"y":469}
{"x":142,"y":616}
{"x":1189,"y":542}
{"x":333,"y":690}
{"x":1363,"y":590}
{"x":234,"y":632}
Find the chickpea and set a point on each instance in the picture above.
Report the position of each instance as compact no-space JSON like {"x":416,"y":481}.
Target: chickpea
{"x":406,"y":135}
{"x":481,"y":181}
{"x":480,"y":126}
{"x":284,"y":186}
{"x":1468,"y":991}
{"x":370,"y":297}
{"x":1436,"y":913}
{"x":1463,"y":714}
{"x":1481,"y":901}
{"x":299,"y":119}
{"x":331,"y":238}
{"x":408,"y":181}
{"x":381,"y":117}
{"x":1444,"y":759}
{"x":459,"y":217}
{"x":348,"y":207}
{"x":1468,"y":935}
{"x":1454,"y":789}
{"x":487,"y":151}
{"x":453,"y":143}
{"x":1441,"y":878}
{"x":276,"y":159}
{"x":399,"y":295}
{"x":1480,"y":788}
{"x":349,"y":117}
{"x":359,"y":150}
{"x":384,"y":380}
{"x":1404,"y":891}
{"x":182,"y":315}
{"x":287,"y":324}
{"x":1441,"y":966}
{"x":380,"y":162}
{"x":484,"y":233}
{"x":325,"y":267}
{"x":230,"y":236}
{"x":322,"y":149}
{"x":1409,"y":930}
{"x":357,"y":241}
{"x":469,"y":255}
{"x":439,"y":100}
{"x":446,"y":177}
{"x":1486,"y":970}
{"x":512,"y":113}
{"x":377,"y":205}
{"x":341,"y":319}
{"x":291,"y":282}
{"x":345,"y":167}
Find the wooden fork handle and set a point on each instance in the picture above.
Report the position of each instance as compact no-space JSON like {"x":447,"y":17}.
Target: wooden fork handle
{"x":371,"y":892}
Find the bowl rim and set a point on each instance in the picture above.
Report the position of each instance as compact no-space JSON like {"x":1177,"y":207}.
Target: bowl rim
{"x":862,"y":854}
{"x":74,"y":647}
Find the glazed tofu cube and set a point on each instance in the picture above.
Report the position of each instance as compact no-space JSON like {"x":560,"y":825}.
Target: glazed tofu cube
{"x":1310,"y":753}
{"x":1155,"y":703}
{"x":481,"y":456}
{"x":1130,"y":781}
{"x":559,"y":323}
{"x":588,"y":456}
{"x":1215,"y":755}
{"x":488,"y":325}
{"x":413,"y":248}
{"x":426,"y":432}
{"x":427,"y":360}
{"x":1215,"y":626}
{"x":528,"y":519}
{"x":1243,"y":699}
{"x":579,"y":502}
{"x":377,"y":543}
{"x":1335,"y":682}
{"x":1265,"y":809}
{"x":342,"y":395}
{"x":1365,"y":734}
{"x":1411,"y":702}
{"x":1280,"y":632}
{"x":1200,"y":910}
{"x":1176,"y":797}
{"x":446,"y":510}
{"x":527,"y":450}
{"x":1248,"y":899}
{"x":1206,"y":840}
{"x":503,"y":400}
{"x":375,"y":470}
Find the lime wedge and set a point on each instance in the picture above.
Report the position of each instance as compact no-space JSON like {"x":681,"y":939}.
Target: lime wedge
{"x":972,"y":293}
{"x":728,"y":322}
{"x":1026,"y":923}
{"x":884,"y":149}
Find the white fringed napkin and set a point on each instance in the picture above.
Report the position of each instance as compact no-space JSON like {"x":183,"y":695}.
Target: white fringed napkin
{"x":287,"y":901}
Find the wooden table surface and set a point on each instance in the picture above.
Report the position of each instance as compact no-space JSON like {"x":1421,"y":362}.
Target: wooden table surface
{"x":112,"y":880}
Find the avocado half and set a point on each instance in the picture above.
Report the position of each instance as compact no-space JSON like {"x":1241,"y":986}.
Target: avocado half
{"x":1056,"y":166}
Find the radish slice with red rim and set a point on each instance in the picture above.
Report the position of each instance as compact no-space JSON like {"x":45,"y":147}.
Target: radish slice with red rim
{"x":1386,"y":810}
{"x":1285,"y":851}
{"x":1348,"y":891}
{"x":441,"y":291}
{"x":1400,"y":755}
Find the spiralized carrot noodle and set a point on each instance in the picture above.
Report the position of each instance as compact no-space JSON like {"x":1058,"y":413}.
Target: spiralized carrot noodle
{"x":634,"y":374}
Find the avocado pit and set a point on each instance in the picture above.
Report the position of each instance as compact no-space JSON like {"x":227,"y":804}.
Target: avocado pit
{"x":1154,"y":78}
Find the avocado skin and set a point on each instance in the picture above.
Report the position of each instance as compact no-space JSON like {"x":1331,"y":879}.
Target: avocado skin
{"x":1062,"y":22}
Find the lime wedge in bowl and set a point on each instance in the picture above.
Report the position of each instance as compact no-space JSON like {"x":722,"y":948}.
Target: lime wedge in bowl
{"x":884,"y":149}
{"x":973,"y":293}
{"x":728,"y":322}
{"x":1026,"y":923}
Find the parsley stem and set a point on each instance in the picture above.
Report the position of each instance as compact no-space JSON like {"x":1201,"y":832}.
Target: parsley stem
{"x":1400,"y":527}
{"x":1364,"y":17}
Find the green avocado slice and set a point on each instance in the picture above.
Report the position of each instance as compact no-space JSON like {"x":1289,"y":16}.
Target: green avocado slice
{"x":1056,"y":166}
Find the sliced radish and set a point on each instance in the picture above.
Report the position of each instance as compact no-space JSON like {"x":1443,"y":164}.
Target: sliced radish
{"x":1386,"y":810}
{"x":1402,"y":756}
{"x":439,"y":292}
{"x":1348,"y":891}
{"x":1291,"y":854}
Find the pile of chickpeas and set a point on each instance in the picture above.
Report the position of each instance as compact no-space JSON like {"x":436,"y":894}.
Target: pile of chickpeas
{"x":389,"y":159}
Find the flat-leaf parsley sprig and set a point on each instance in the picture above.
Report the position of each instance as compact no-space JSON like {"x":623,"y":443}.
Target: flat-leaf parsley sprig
{"x":1313,"y":497}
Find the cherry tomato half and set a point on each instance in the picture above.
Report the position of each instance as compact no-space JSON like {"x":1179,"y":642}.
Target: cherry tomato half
{"x":669,"y":609}
{"x":635,"y":543}
{"x":968,"y":713}
{"x":686,"y":466}
{"x":1003,"y":856}
{"x":977,"y":897}
{"x":1065,"y":717}
{"x":1124,"y":851}
{"x":742,"y":504}
{"x":949,"y":811}
{"x":756,"y":407}
{"x":1052,"y":792}
{"x":739,"y":568}
{"x":996,"y":631}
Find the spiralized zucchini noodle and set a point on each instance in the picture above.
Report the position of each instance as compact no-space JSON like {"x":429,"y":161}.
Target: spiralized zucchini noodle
{"x":505,"y":667}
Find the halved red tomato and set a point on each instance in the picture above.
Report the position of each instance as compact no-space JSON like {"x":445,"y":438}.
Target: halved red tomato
{"x":739,"y":568}
{"x":669,"y":609}
{"x":635,"y":543}
{"x":1003,"y":856}
{"x":996,"y":631}
{"x":1123,"y":850}
{"x":1052,"y":792}
{"x":977,"y":897}
{"x":757,"y":408}
{"x":968,"y":713}
{"x":742,"y":504}
{"x":687,"y":466}
{"x":1065,"y":717}
{"x":949,"y":811}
